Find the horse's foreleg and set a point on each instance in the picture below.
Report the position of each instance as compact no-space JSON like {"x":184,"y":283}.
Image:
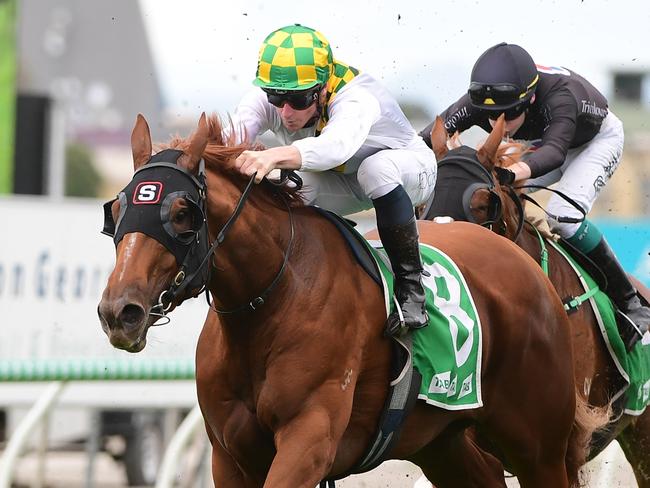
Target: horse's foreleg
{"x":225,"y":471}
{"x":635,"y":442}
{"x":306,"y":447}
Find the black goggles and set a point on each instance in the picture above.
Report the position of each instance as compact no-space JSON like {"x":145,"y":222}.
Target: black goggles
{"x":297,"y":100}
{"x":494,"y":94}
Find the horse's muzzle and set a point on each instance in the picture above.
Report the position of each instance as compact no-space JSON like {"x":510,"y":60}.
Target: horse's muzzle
{"x":125,"y":323}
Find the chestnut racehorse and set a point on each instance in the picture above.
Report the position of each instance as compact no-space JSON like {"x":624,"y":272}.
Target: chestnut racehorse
{"x":292,"y":382}
{"x":595,"y":373}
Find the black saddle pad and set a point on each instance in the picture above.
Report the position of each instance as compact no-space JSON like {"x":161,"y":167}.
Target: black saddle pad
{"x":356,"y":243}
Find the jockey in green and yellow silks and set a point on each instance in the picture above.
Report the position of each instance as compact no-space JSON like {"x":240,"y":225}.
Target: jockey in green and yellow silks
{"x":298,"y":61}
{"x":327,"y":116}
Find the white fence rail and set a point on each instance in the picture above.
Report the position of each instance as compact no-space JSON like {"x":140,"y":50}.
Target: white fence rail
{"x":17,"y":442}
{"x":61,"y":373}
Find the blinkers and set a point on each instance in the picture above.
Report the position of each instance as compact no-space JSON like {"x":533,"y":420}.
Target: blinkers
{"x":460,"y":175}
{"x":146,"y":204}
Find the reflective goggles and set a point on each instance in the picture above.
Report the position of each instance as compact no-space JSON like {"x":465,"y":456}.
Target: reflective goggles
{"x":297,"y":100}
{"x":494,"y":94}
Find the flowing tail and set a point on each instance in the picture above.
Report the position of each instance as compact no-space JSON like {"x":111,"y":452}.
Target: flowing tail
{"x":588,"y":419}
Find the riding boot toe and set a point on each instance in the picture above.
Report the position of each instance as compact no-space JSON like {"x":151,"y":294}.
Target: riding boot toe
{"x":415,"y":314}
{"x":636,"y":319}
{"x":415,"y":317}
{"x":394,"y":327}
{"x":640,"y":316}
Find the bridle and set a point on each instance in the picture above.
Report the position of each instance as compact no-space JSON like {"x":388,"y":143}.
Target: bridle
{"x":259,"y":300}
{"x":461,"y":173}
{"x":193,"y":272}
{"x":460,"y":176}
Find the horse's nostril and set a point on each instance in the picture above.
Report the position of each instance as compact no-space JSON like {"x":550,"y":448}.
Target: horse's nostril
{"x":132,"y":315}
{"x":106,"y":318}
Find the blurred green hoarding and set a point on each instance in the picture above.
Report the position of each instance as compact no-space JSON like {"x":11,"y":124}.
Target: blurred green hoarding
{"x":7,"y":92}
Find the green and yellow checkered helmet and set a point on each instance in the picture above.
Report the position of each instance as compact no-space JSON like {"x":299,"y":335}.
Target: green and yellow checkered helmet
{"x":294,"y":58}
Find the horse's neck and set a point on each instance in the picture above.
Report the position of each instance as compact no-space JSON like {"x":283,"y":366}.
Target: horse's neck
{"x":252,"y":253}
{"x":561,"y":274}
{"x":319,"y":261}
{"x":529,"y":242}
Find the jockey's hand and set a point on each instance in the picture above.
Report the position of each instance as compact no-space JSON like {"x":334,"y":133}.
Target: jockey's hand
{"x":250,"y":162}
{"x":521,"y":171}
{"x":263,"y":162}
{"x":504,"y":175}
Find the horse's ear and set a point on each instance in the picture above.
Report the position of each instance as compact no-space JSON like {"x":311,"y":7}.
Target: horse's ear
{"x":439,"y":139}
{"x":140,"y":142}
{"x":487,"y":154}
{"x":197,"y":144}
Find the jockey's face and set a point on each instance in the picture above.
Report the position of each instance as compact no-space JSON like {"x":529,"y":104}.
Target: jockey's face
{"x":512,"y":126}
{"x":297,"y":108}
{"x":294,"y":119}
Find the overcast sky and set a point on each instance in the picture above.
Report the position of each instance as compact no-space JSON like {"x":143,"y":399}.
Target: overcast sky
{"x":206,"y":51}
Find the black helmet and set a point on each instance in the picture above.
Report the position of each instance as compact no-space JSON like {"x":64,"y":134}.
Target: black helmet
{"x":503,"y":77}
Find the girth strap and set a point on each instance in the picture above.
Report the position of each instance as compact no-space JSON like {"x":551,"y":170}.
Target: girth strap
{"x":571,"y":303}
{"x":401,"y":398}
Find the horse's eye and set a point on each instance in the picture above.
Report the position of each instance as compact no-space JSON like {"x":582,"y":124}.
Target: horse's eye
{"x":180,"y":216}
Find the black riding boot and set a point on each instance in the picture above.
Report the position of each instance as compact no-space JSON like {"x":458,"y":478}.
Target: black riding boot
{"x":623,"y":293}
{"x":401,"y":244}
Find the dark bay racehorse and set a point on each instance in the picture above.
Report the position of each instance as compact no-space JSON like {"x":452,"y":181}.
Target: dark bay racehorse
{"x":595,"y":373}
{"x":292,"y":382}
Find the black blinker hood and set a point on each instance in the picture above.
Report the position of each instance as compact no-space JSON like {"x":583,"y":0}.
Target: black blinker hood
{"x":145,"y":204}
{"x":460,"y":174}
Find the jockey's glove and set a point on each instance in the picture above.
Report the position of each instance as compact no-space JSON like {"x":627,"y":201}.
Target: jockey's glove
{"x":504,"y":175}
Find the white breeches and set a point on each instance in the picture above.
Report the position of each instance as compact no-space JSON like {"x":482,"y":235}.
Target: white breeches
{"x":414,"y":169}
{"x":585,"y":172}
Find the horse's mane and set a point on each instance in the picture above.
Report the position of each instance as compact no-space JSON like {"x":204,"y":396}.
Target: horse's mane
{"x":508,"y":152}
{"x":221,"y":151}
{"x":511,"y":152}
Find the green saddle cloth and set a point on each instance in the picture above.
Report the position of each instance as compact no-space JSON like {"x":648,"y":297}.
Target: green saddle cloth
{"x":634,"y":366}
{"x":447,"y":352}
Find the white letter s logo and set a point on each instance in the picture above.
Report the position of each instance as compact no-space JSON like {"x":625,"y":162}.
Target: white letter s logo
{"x":147,"y":192}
